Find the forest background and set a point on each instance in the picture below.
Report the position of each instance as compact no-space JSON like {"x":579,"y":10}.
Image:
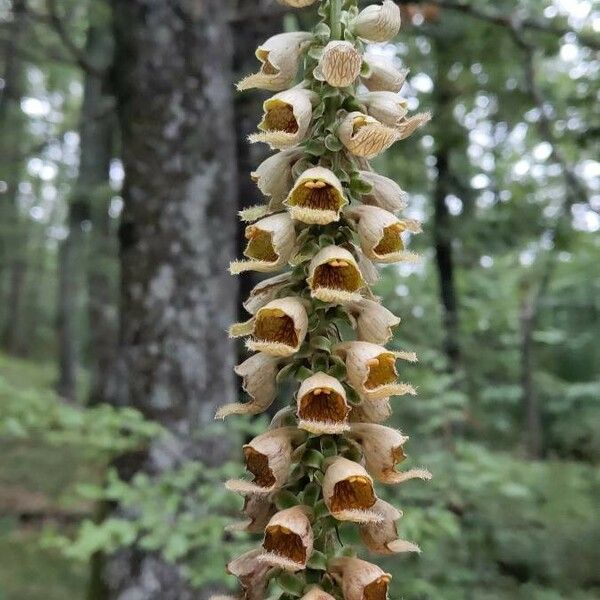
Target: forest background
{"x":123,"y":162}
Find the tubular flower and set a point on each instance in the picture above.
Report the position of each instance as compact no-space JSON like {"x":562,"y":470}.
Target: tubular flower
{"x":380,"y":234}
{"x":270,"y":245}
{"x":288,"y":541}
{"x":378,"y":23}
{"x":280,"y":56}
{"x":334,"y":276}
{"x":383,"y":450}
{"x":372,"y":370}
{"x":360,"y":580}
{"x":286,"y":118}
{"x":348,"y":492}
{"x":317,"y":331}
{"x":317,"y":197}
{"x":339,"y":65}
{"x":322,"y":405}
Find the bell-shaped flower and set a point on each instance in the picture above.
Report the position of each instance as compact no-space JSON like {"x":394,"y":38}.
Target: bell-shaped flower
{"x":371,"y":411}
{"x":317,"y":197}
{"x":258,"y":510}
{"x":334,"y":276}
{"x":385,"y":193}
{"x":359,"y":579}
{"x":280,"y":56}
{"x":383,"y":76}
{"x":288,"y":541}
{"x":271,"y":243}
{"x":286,"y":118}
{"x":277,"y":329}
{"x":383,"y":450}
{"x":348,"y":492}
{"x":373,"y":321}
{"x":296,"y":3}
{"x":382,"y":537}
{"x":387,"y":107}
{"x":380,"y":234}
{"x":378,"y":23}
{"x":265,"y":291}
{"x":268,"y":458}
{"x":372,"y":369}
{"x":365,"y":136}
{"x":252,"y":573}
{"x":258,"y":380}
{"x":339,"y":64}
{"x":316,"y":593}
{"x":322,"y":405}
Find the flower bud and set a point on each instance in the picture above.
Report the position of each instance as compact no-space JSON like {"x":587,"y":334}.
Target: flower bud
{"x":322,"y":405}
{"x":288,"y":541}
{"x":251,"y":573}
{"x":286,"y":118}
{"x":387,"y":107}
{"x":270,"y":245}
{"x":339,"y":65}
{"x":383,"y":76}
{"x":372,"y":369}
{"x":265,"y":291}
{"x":359,"y":579}
{"x":348,"y":492}
{"x":371,"y":411}
{"x":378,"y":23}
{"x":280,"y":56}
{"x":365,"y":136}
{"x":374,"y":322}
{"x":385,"y":193}
{"x":334,"y":276}
{"x":317,"y":197}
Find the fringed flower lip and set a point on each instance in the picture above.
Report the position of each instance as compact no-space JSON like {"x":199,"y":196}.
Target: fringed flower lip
{"x":265,"y":291}
{"x":383,"y":76}
{"x":387,"y":107}
{"x":348,"y":492}
{"x":258,"y":380}
{"x":359,"y":579}
{"x":277,"y":329}
{"x":288,"y":541}
{"x":316,"y":593}
{"x":251,"y":573}
{"x":380,"y":234}
{"x":322,"y":405}
{"x":258,"y":510}
{"x":268,"y":458}
{"x":334,"y":276}
{"x":317,"y":197}
{"x":371,"y":411}
{"x":383,"y":449}
{"x":407,"y":127}
{"x":378,"y":23}
{"x":280,"y":56}
{"x":270,"y":245}
{"x":385,"y":193}
{"x":339,"y":64}
{"x":372,"y":369}
{"x":382,"y":538}
{"x":373,"y":321}
{"x":286,"y":118}
{"x":365,"y":136}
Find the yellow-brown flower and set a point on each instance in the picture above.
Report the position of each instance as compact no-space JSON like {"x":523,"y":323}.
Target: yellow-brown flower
{"x":339,"y":64}
{"x":365,"y":136}
{"x":359,"y":579}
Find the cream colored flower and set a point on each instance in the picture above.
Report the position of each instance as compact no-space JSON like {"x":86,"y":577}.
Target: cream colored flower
{"x":372,"y":369}
{"x":383,"y":76}
{"x":258,"y":380}
{"x":387,"y":107}
{"x":322,"y":405}
{"x":382,"y":537}
{"x":359,"y":579}
{"x":365,"y":136}
{"x":383,"y":450}
{"x":268,"y":458}
{"x":378,"y":23}
{"x":371,"y":411}
{"x":296,"y":3}
{"x":270,"y":245}
{"x":316,"y":593}
{"x":317,"y":197}
{"x":334,"y":276}
{"x":339,"y":64}
{"x":384,"y":193}
{"x":407,"y":127}
{"x":380,"y":234}
{"x":288,"y":541}
{"x":374,"y":322}
{"x":280,"y":56}
{"x":286,"y":118}
{"x":251,"y":573}
{"x":258,"y":510}
{"x":348,"y":492}
{"x":265,"y":291}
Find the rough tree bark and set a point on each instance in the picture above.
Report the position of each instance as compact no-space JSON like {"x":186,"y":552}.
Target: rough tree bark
{"x":173,"y":80}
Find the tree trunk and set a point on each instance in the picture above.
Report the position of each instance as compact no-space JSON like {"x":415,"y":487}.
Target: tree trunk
{"x":173,"y":83}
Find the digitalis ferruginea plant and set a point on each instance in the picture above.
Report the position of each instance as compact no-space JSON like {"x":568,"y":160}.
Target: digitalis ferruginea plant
{"x":326,"y":221}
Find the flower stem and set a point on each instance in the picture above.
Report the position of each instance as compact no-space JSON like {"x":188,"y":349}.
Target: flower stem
{"x":336,"y":19}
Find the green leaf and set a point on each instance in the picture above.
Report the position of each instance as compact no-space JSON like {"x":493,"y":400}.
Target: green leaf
{"x":328,"y":447}
{"x":333,"y":143}
{"x":311,"y":494}
{"x":303,"y":373}
{"x":291,"y":584}
{"x":320,"y":510}
{"x":286,"y":499}
{"x":313,"y":458}
{"x":320,"y":342}
{"x":315,"y":147}
{"x":318,"y":561}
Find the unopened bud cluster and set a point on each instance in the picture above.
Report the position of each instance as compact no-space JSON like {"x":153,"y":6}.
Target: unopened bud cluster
{"x":328,"y":218}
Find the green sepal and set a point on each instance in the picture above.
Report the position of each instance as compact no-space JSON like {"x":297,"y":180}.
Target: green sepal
{"x":311,"y":494}
{"x":322,"y":32}
{"x":315,"y":147}
{"x":285,"y":499}
{"x":313,"y":458}
{"x":315,"y":51}
{"x":320,"y":510}
{"x":348,"y":551}
{"x":320,"y":342}
{"x":291,"y":583}
{"x":285,"y":372}
{"x":358,"y":186}
{"x":333,"y":143}
{"x":303,"y":373}
{"x":328,"y":447}
{"x":365,"y":69}
{"x":318,"y":561}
